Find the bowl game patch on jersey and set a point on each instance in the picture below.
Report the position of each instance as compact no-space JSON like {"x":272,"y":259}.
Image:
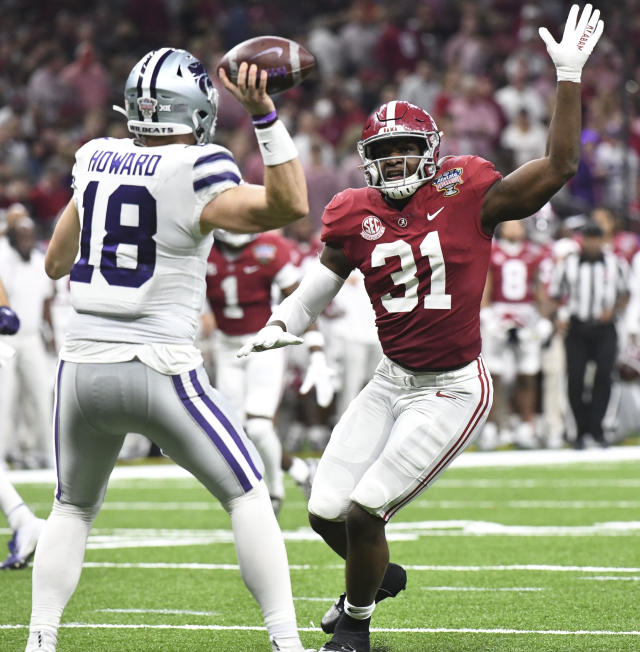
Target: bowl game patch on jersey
{"x":448,"y":182}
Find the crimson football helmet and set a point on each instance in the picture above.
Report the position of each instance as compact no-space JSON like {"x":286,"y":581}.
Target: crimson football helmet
{"x":399,"y":119}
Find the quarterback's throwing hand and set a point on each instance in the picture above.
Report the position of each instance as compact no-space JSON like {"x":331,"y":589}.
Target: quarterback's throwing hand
{"x":270,"y":337}
{"x":578,"y":40}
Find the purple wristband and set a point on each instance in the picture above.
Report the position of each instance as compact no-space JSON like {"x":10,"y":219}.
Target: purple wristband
{"x":265,"y":119}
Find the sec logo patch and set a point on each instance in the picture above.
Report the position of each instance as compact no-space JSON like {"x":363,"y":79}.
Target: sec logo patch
{"x":372,"y":228}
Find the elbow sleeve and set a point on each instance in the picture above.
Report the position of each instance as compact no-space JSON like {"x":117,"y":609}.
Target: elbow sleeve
{"x":301,"y":308}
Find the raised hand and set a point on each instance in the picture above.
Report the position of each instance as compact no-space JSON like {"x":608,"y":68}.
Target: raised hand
{"x":250,"y":89}
{"x":578,"y":40}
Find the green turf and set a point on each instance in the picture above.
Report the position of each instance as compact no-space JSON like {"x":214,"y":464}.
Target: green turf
{"x":552,"y":609}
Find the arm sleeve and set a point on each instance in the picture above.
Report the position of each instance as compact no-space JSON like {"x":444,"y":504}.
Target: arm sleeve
{"x":302,"y":307}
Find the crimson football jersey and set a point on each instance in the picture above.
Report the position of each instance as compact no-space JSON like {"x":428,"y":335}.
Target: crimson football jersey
{"x":514,"y":272}
{"x":239,"y":282}
{"x":424,"y":265}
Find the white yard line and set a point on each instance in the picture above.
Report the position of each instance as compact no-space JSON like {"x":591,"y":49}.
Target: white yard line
{"x":546,"y":568}
{"x":390,"y":630}
{"x":463,"y":589}
{"x":468,"y":460}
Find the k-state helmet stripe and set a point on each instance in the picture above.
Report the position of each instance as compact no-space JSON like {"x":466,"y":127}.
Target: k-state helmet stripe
{"x":154,"y":77}
{"x":143,"y":68}
{"x":149,"y":74}
{"x":391,"y":114}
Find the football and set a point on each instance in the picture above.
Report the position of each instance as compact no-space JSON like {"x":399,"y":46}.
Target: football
{"x":287,"y":63}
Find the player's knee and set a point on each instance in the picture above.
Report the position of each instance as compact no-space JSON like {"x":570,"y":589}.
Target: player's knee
{"x":260,"y":430}
{"x":362,"y":523}
{"x":82,"y":512}
{"x":324,"y":506}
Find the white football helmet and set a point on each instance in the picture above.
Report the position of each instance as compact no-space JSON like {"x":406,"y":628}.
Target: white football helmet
{"x":169,"y":92}
{"x":399,"y":119}
{"x":235,"y":240}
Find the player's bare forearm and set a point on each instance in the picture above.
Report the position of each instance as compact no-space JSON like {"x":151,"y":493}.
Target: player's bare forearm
{"x":252,"y":209}
{"x":532,"y":185}
{"x":63,"y":247}
{"x":286,"y":193}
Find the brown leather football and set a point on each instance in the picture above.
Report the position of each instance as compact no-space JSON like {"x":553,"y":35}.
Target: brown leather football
{"x":287,"y":63}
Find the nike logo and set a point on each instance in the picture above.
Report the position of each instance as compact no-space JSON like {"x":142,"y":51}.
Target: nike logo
{"x":251,"y":269}
{"x":439,"y":393}
{"x":431,"y":216}
{"x":275,"y":49}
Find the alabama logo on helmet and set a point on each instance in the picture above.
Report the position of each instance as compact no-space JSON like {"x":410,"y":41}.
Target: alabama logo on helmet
{"x":372,"y":228}
{"x":147,"y":106}
{"x":448,"y":182}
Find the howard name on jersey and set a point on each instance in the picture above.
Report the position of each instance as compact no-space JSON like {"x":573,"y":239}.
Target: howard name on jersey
{"x":239,"y":284}
{"x":140,"y":272}
{"x":424,"y":265}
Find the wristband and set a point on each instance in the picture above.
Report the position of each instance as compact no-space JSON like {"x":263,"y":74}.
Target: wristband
{"x":314,"y":339}
{"x":264,"y":120}
{"x":564,"y":74}
{"x":276,"y":144}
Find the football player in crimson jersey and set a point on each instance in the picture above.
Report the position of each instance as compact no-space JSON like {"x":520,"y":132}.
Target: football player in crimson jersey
{"x":421,"y":235}
{"x":511,"y":323}
{"x":242,"y":271}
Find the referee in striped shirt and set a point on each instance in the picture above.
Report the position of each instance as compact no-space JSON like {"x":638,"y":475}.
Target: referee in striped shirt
{"x":594,"y":282}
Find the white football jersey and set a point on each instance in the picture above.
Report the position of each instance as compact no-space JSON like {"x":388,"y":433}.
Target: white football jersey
{"x":139,"y":278}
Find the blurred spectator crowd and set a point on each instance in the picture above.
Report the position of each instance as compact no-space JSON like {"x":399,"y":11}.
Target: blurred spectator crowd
{"x":479,"y":67}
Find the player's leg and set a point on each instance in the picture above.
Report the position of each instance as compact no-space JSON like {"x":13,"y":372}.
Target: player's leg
{"x":356,"y":442}
{"x":195,"y":425}
{"x":26,"y":527}
{"x":528,"y":360}
{"x":265,"y":380}
{"x":34,"y":372}
{"x":87,"y":439}
{"x":436,"y":420}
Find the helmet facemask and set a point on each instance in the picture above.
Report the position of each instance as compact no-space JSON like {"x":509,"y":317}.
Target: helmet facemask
{"x":406,"y":185}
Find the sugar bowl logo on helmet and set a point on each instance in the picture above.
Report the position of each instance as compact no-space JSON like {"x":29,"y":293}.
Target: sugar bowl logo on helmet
{"x":400,"y":119}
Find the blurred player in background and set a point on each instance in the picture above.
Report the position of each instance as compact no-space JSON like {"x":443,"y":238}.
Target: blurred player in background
{"x":243,"y":272}
{"x":25,"y":526}
{"x":26,"y":397}
{"x":139,"y":230}
{"x":513,"y":330}
{"x":421,"y":235}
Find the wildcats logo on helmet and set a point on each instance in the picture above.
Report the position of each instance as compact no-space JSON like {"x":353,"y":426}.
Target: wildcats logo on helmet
{"x":372,"y":228}
{"x":448,"y":182}
{"x":147,"y":106}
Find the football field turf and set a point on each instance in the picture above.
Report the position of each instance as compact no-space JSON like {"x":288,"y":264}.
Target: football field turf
{"x":544,"y":556}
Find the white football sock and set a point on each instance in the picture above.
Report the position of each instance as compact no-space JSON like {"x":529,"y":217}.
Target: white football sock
{"x":11,"y":503}
{"x":58,"y":563}
{"x":263,"y":562}
{"x":263,"y":434}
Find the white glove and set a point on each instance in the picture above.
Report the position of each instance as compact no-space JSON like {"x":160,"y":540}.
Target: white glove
{"x":320,"y":376}
{"x":269,"y":337}
{"x":578,"y":40}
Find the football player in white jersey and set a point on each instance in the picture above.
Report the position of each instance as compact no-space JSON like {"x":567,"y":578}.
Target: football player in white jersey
{"x":26,"y":527}
{"x":135,"y":239}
